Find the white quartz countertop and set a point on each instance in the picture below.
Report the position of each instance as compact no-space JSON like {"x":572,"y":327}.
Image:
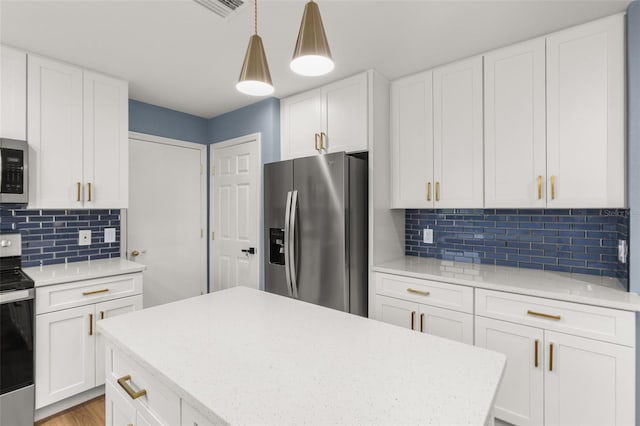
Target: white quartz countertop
{"x":77,"y":271}
{"x":587,"y":289}
{"x":244,"y":356}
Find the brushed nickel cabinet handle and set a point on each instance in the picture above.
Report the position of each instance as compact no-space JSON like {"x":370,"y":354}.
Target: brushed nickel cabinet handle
{"x":421,"y":323}
{"x":539,"y":187}
{"x":79,"y":189}
{"x":550,"y":356}
{"x":413,"y":317}
{"x":90,"y":324}
{"x":428,"y":191}
{"x":553,"y":187}
{"x":548,"y":316}
{"x":89,"y":293}
{"x":122,"y":381}
{"x":420,"y":292}
{"x":89,"y":190}
{"x":535,"y":362}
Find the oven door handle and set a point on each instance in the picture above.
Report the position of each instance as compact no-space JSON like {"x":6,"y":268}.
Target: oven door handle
{"x":16,"y":296}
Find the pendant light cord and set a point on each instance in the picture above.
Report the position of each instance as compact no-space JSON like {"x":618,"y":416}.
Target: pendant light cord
{"x":255,"y":16}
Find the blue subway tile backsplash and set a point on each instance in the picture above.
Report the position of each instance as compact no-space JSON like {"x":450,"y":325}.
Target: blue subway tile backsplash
{"x":51,"y":236}
{"x":567,"y":240}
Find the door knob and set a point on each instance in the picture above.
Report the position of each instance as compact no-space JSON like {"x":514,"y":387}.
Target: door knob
{"x":248,"y":251}
{"x":135,"y":253}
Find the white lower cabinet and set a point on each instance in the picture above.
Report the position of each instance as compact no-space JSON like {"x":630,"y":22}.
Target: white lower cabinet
{"x":69,"y":353}
{"x":191,"y":416}
{"x":554,"y":378}
{"x":119,"y":411}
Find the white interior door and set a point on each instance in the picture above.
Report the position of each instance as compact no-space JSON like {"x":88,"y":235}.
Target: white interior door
{"x":235,"y":213}
{"x":166,"y":217}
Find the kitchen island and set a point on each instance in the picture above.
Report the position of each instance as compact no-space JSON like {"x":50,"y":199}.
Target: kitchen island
{"x":243,"y":356}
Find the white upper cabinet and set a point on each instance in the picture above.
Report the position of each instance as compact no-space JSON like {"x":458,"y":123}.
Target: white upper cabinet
{"x":457,"y":141}
{"x":586,"y":115}
{"x":332,"y":118}
{"x":412,"y":141}
{"x":13,"y":94}
{"x":514,"y":125}
{"x":106,"y":150}
{"x":78,"y":143}
{"x":55,"y":134}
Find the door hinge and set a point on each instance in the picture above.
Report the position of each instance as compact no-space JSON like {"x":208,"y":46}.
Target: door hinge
{"x":213,"y":235}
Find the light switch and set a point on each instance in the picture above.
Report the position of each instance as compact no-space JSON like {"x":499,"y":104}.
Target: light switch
{"x":84,"y":238}
{"x":109,"y":235}
{"x":427,"y":237}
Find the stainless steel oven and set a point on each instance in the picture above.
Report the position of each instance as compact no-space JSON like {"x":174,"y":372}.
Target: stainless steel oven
{"x":14,"y":171}
{"x":17,"y":326}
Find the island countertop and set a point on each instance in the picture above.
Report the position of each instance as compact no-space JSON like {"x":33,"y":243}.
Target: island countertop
{"x":243,"y":356}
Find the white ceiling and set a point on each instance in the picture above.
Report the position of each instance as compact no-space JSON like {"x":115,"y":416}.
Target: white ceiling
{"x":176,"y":54}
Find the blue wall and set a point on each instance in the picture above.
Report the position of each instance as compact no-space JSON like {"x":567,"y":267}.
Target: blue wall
{"x":262,"y":117}
{"x":159,"y":121}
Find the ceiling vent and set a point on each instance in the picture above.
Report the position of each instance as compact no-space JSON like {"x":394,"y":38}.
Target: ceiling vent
{"x":223,"y":8}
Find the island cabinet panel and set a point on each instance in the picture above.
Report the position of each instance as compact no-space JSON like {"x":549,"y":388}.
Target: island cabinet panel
{"x":191,"y":416}
{"x":412,"y":141}
{"x":588,"y":382}
{"x":584,"y":355}
{"x":13,"y":93}
{"x":514,"y":125}
{"x":586,"y":115}
{"x":520,"y":399}
{"x":69,"y":351}
{"x":333,"y":118}
{"x":119,"y":411}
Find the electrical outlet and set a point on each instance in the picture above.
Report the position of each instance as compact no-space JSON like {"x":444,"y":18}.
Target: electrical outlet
{"x":109,"y":235}
{"x":623,"y":251}
{"x":427,"y":236}
{"x":84,"y":238}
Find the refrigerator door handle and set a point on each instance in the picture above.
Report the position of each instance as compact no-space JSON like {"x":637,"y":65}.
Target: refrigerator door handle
{"x":292,"y":244}
{"x":287,"y":249}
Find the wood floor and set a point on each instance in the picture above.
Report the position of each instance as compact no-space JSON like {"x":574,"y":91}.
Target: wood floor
{"x":90,"y":413}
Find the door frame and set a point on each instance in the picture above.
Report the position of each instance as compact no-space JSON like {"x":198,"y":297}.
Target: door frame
{"x":250,"y":138}
{"x":124,"y":242}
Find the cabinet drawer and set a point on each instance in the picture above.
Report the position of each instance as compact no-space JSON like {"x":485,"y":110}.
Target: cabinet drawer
{"x":64,"y":296}
{"x":449,"y":296}
{"x":609,"y":325}
{"x":159,"y":402}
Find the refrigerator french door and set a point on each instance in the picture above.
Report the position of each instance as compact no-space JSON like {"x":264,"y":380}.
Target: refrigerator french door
{"x":316,"y":230}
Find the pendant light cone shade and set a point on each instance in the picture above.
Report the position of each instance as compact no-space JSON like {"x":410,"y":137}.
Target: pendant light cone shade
{"x":255,"y":79}
{"x":312,"y":56}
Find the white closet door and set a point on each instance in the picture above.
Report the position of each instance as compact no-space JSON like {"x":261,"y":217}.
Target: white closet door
{"x":586,"y":115}
{"x":412,"y":141}
{"x":457,"y":123}
{"x":515,"y":129}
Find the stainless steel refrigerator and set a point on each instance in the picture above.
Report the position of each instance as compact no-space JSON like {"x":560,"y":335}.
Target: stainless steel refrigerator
{"x":315,"y":220}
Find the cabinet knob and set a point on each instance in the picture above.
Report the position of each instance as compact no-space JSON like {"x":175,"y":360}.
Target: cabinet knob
{"x":135,"y":253}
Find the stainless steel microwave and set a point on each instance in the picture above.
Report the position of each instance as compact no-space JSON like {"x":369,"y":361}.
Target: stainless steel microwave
{"x":14,"y":171}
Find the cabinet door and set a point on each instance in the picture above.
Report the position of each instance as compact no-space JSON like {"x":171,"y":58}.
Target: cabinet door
{"x":13,"y":94}
{"x":520,"y":397}
{"x":55,"y":134}
{"x":111,"y":309}
{"x":446,"y":323}
{"x":514,"y":124}
{"x":588,"y":382}
{"x":119,"y":411}
{"x":65,"y":354}
{"x":345,"y":115}
{"x":301,"y":124}
{"x":412,"y":141}
{"x":397,"y":312}
{"x":106,"y":143}
{"x":586,"y":115}
{"x":457,"y":139}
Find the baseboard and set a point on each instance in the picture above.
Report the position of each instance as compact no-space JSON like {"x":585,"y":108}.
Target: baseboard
{"x":72,"y":401}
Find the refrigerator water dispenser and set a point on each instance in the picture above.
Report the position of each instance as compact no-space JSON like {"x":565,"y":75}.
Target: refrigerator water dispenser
{"x":276,"y":246}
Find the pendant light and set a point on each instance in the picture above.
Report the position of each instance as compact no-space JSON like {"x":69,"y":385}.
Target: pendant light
{"x":255,"y":79}
{"x":312,"y":56}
